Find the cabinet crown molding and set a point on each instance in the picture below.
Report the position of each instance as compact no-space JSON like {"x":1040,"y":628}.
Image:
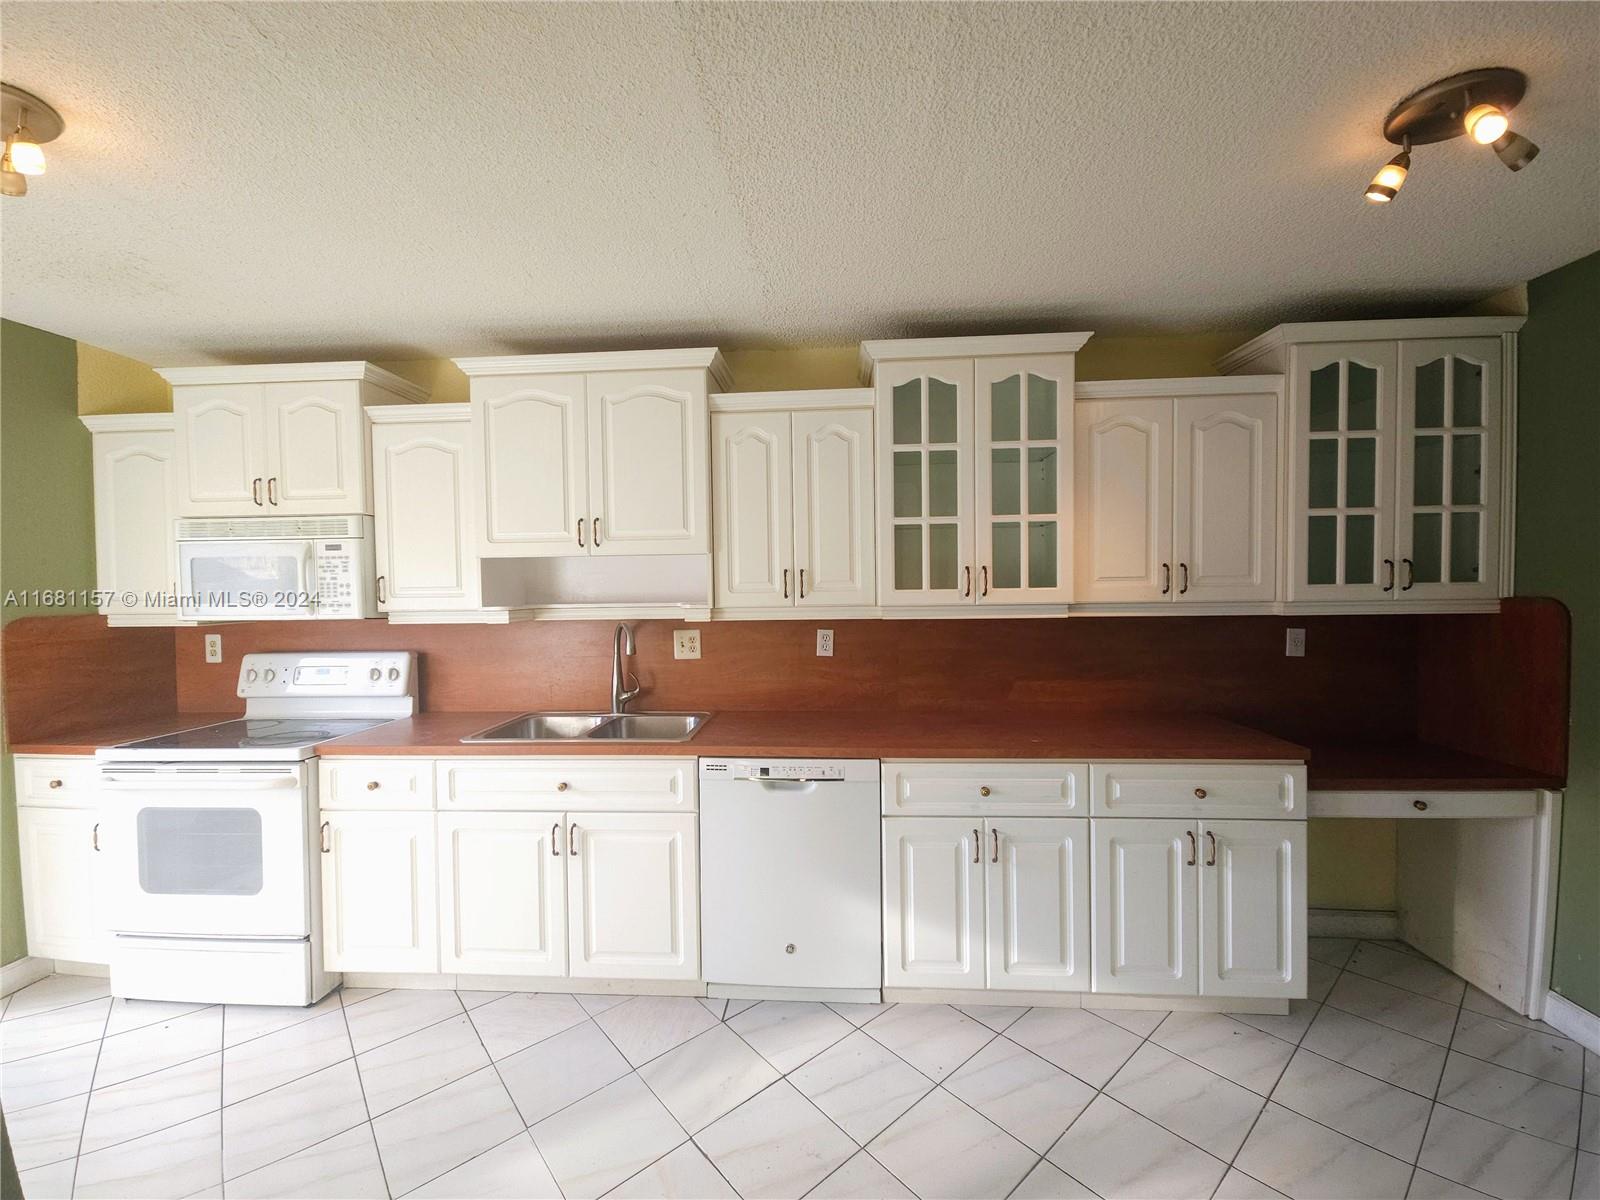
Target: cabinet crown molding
{"x":795,"y":401}
{"x":405,"y":414}
{"x":989,"y":346}
{"x":1274,"y":340}
{"x":325,"y":372}
{"x":1198,"y":385}
{"x":703,"y":358}
{"x":141,"y":422}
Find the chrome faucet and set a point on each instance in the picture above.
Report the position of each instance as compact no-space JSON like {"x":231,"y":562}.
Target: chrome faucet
{"x":621,"y":643}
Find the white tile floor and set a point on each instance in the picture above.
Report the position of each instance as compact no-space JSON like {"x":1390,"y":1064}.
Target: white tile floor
{"x":1394,"y":1080}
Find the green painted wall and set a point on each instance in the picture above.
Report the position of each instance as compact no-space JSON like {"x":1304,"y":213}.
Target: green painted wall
{"x":1558,"y":554}
{"x":47,"y":539}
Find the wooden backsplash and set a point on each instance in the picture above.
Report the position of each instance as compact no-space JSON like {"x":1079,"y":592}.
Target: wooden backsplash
{"x":1357,"y":681}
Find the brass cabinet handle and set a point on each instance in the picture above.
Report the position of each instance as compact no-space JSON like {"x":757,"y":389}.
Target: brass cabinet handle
{"x":1166,"y":579}
{"x":995,"y":833}
{"x":983,"y":574}
{"x":786,"y":583}
{"x":381,"y":597}
{"x":55,"y":783}
{"x":572,"y":840}
{"x":94,"y":836}
{"x":272,"y":490}
{"x":1420,"y":805}
{"x":977,"y":846}
{"x":1411,"y":575}
{"x":966,"y":587}
{"x":802,"y":583}
{"x":1211,"y":849}
{"x":372,"y":785}
{"x":255,"y":490}
{"x":580,"y":533}
{"x":1388,"y":564}
{"x":1199,"y":793}
{"x":1183,"y":587}
{"x":555,"y":840}
{"x":1194,"y":847}
{"x":325,"y":846}
{"x":562,"y":786}
{"x":983,"y":791}
{"x":596,"y":538}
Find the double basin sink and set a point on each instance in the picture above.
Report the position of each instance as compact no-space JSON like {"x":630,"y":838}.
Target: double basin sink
{"x":594,"y":727}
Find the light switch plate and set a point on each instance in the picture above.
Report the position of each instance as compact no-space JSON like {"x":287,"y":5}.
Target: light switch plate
{"x":213,"y":647}
{"x":686,"y":643}
{"x":1294,"y":643}
{"x":824,"y":643}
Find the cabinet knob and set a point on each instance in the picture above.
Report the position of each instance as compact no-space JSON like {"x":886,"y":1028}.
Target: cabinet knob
{"x":372,"y":785}
{"x":561,"y":787}
{"x":1199,"y":793}
{"x":789,"y":949}
{"x":1420,"y":805}
{"x":983,"y":791}
{"x":55,"y":783}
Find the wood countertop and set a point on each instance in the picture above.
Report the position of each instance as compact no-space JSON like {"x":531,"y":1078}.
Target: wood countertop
{"x":1416,"y":767}
{"x":88,"y":739}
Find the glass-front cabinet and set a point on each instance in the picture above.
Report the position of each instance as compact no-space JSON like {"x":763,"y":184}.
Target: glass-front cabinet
{"x":927,"y":439}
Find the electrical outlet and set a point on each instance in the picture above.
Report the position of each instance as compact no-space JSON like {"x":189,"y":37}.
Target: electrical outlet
{"x":1294,"y":644}
{"x":824,"y":643}
{"x":213,"y":647}
{"x":686,"y":643}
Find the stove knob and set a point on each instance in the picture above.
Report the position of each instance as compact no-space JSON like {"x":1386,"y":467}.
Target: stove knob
{"x":251,"y":674}
{"x":270,"y":675}
{"x":375,"y":674}
{"x":394,"y":673}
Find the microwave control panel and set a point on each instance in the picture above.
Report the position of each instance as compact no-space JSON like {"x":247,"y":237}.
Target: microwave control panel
{"x":338,"y":588}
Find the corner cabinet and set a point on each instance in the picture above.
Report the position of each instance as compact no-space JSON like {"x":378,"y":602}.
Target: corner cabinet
{"x":1399,"y":447}
{"x":135,"y":503}
{"x":974,"y":467}
{"x":1176,"y":486}
{"x":592,"y":454}
{"x":427,"y":554}
{"x":792,"y":494}
{"x":285,"y":439}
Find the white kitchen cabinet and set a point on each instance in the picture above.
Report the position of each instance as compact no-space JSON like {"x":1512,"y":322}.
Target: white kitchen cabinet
{"x":427,"y":554}
{"x":1265,"y":791}
{"x":1177,"y":491}
{"x":933,"y":902}
{"x":974,"y":467}
{"x":61,"y":892}
{"x":1398,"y":435}
{"x":1146,"y":907}
{"x":279,"y":440}
{"x":633,"y":896}
{"x":380,"y":906}
{"x":135,"y":503}
{"x":502,"y":894}
{"x":1253,"y":908}
{"x":592,"y":454}
{"x":792,"y":491}
{"x":985,"y":788}
{"x":1037,"y":933}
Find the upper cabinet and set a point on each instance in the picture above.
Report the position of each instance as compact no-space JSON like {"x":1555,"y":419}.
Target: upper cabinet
{"x":1177,"y":491}
{"x":1397,"y":432}
{"x":792,"y":492}
{"x":135,"y":503}
{"x":974,"y":452}
{"x":593,"y":454}
{"x":280,"y":440}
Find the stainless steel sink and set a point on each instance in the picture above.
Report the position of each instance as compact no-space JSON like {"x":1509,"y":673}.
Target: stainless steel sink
{"x":581,"y":726}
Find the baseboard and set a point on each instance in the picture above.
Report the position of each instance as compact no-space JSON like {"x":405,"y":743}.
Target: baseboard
{"x":1352,"y":922}
{"x":522,"y":983}
{"x":1573,"y":1020}
{"x":22,"y":972}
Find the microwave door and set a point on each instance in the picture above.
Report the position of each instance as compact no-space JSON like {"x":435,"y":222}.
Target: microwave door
{"x":258,"y":581}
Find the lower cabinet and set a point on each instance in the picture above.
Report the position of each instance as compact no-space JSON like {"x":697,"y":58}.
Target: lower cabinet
{"x":998,"y":902}
{"x":60,"y":892}
{"x":1207,"y":908}
{"x":502,"y":893}
{"x":379,"y":892}
{"x":633,"y":896}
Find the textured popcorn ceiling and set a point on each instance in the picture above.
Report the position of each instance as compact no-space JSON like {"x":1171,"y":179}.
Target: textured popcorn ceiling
{"x":255,"y":181}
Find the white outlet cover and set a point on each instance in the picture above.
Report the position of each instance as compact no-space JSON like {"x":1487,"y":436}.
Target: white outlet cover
{"x":213,"y":647}
{"x":686,"y":643}
{"x":824,"y":643}
{"x":1294,"y":643}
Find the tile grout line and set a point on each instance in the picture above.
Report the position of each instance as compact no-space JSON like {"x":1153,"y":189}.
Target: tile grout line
{"x":222,"y":1091}
{"x":77,"y":1157}
{"x":366,"y":1107}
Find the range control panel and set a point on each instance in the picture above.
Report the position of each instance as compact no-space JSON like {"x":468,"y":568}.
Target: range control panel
{"x":342,"y":674}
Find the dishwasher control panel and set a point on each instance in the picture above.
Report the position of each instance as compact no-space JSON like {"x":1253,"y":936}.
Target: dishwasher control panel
{"x":791,"y":770}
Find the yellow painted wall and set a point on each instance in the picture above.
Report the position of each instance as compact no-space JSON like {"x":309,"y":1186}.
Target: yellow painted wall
{"x":110,"y":383}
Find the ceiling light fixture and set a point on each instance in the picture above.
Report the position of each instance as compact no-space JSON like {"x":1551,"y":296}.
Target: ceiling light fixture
{"x":27,"y":123}
{"x":1474,"y":103}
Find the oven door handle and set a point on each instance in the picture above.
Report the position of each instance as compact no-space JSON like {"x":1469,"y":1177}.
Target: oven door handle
{"x":216,"y":783}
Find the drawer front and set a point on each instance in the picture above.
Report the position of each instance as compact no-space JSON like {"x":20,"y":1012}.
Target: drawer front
{"x":65,"y":782}
{"x":376,"y":783}
{"x":1246,"y":790}
{"x":540,"y":784}
{"x":992,"y":788}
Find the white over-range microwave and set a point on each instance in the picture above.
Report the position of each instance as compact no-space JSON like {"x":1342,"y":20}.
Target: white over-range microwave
{"x":275,"y":568}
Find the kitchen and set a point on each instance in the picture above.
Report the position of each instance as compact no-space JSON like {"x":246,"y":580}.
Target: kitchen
{"x":1054,"y":762}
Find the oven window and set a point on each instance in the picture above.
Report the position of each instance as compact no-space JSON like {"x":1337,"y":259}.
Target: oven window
{"x":200,"y":851}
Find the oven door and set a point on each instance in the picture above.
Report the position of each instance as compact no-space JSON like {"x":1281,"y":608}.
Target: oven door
{"x":246,"y":580}
{"x":207,"y":852}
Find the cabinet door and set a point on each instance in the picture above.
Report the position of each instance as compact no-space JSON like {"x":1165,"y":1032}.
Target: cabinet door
{"x":752,"y":492}
{"x":1038,"y":904}
{"x":1225,"y":496}
{"x":380,"y":908}
{"x":60,"y":885}
{"x":1252,"y":908}
{"x":427,"y":551}
{"x":1447,"y":525}
{"x":648,"y":462}
{"x":633,"y":896}
{"x":1146,"y":907}
{"x":316,"y":448}
{"x":1023,"y":420}
{"x":835,"y":550}
{"x":135,"y":494}
{"x":925,"y":483}
{"x":222,"y":450}
{"x":933,"y":902}
{"x":1342,"y":405}
{"x":503,"y":893}
{"x":1123,"y":481}
{"x":530,"y":464}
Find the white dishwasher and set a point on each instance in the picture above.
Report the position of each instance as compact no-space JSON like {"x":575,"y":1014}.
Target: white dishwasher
{"x":790,"y":900}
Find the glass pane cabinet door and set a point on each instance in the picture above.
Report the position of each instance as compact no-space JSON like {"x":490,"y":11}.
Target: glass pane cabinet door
{"x":1447,"y":525}
{"x":1344,"y":539}
{"x":925,"y":482}
{"x":1023,"y":422}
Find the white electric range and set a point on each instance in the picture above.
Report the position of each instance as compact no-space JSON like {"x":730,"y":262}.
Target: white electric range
{"x":211,"y":835}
